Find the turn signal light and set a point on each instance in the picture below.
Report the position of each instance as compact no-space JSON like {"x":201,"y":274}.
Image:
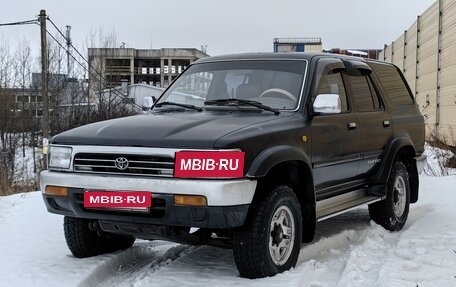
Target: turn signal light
{"x":56,"y":190}
{"x":190,"y":200}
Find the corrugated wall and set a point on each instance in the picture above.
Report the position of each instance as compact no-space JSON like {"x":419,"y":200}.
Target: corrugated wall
{"x":426,"y":53}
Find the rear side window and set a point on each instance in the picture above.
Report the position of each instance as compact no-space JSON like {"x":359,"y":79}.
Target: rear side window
{"x":364,"y":94}
{"x":393,"y":84}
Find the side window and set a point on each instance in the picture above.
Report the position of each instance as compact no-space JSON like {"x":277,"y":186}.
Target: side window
{"x":375,"y":97}
{"x":364,"y":94}
{"x":332,"y":84}
{"x":393,"y":84}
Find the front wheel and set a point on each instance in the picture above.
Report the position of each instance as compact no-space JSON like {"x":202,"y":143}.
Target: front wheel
{"x":84,"y":240}
{"x":270,"y":240}
{"x":392,"y":212}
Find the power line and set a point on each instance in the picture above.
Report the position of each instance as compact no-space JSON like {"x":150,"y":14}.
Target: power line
{"x":100,"y":79}
{"x":28,"y":22}
{"x":116,"y":93}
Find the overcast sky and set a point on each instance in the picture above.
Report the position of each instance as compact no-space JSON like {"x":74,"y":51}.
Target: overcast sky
{"x":225,"y":26}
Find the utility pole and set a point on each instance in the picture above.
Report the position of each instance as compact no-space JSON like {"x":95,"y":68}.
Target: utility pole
{"x":44,"y":84}
{"x":68,"y":37}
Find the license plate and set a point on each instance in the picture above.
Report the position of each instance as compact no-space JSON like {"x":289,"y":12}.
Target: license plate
{"x":209,"y":164}
{"x":118,"y":200}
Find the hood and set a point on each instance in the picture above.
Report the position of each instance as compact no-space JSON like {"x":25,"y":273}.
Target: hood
{"x":173,"y":129}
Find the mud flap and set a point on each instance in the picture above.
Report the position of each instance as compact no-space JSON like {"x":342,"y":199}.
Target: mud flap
{"x":377,"y":190}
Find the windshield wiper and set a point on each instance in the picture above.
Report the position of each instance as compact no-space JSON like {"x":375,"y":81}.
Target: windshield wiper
{"x":236,"y":102}
{"x":179,"y":105}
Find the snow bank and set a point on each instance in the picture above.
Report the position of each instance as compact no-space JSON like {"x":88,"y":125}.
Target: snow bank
{"x":436,"y":161}
{"x":348,"y":250}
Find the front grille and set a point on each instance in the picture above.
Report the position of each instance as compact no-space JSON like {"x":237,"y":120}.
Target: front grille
{"x":142,"y":165}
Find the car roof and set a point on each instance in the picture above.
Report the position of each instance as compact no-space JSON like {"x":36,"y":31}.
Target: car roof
{"x":274,"y":56}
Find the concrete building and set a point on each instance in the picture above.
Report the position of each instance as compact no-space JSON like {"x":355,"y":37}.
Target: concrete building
{"x":156,"y":67}
{"x":63,"y":92}
{"x":426,"y":54}
{"x":308,"y":44}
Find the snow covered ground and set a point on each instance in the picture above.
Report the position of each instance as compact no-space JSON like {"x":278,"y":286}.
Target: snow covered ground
{"x":349,"y":251}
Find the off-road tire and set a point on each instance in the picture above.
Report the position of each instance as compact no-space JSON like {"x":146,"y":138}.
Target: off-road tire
{"x":86,"y":242}
{"x":383,"y":212}
{"x":251,"y":242}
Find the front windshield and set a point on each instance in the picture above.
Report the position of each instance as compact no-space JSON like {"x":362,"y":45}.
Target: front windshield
{"x":273,"y":83}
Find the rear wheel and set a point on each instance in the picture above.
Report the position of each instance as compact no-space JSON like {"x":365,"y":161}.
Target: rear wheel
{"x":392,"y":212}
{"x":85,"y":240}
{"x":270,"y":240}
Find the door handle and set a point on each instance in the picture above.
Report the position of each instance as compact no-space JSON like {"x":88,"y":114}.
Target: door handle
{"x":351,"y":126}
{"x":386,"y":124}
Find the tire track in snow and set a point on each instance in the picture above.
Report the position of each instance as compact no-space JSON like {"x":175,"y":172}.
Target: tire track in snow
{"x":355,"y":253}
{"x":133,"y":264}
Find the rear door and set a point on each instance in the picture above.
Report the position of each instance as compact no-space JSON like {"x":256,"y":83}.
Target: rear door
{"x":335,"y":137}
{"x":375,"y":125}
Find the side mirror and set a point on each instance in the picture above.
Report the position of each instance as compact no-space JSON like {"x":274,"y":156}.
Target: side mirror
{"x":147,"y":103}
{"x":327,"y":104}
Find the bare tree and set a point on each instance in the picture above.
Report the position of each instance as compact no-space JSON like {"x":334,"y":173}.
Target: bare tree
{"x":8,"y":117}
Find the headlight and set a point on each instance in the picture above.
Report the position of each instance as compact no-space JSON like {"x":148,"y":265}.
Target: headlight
{"x":60,"y":157}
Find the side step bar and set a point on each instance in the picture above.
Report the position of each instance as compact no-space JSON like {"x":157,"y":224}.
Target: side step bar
{"x":337,"y":205}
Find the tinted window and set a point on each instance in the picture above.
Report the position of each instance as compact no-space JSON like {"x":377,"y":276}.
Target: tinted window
{"x":332,"y":84}
{"x":375,"y":96}
{"x":393,"y":84}
{"x":364,"y":94}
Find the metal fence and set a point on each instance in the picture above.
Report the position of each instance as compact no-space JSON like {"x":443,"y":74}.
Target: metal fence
{"x":426,"y":53}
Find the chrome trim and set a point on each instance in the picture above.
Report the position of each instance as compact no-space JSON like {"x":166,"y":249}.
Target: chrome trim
{"x":339,"y":204}
{"x":124,"y":164}
{"x":218,"y":192}
{"x":348,"y":209}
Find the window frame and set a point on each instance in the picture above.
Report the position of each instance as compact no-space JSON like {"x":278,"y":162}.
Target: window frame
{"x":371,"y":84}
{"x":332,"y":64}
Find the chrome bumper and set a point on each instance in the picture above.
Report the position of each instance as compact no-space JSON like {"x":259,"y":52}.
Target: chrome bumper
{"x":218,"y":192}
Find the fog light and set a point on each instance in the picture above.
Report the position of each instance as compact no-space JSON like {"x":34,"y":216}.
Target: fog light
{"x":190,"y":200}
{"x":56,"y":190}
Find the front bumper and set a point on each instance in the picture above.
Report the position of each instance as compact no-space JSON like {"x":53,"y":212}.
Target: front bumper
{"x":228,"y":200}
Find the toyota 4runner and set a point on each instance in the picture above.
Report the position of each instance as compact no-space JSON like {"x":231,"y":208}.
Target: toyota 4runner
{"x":246,"y":152}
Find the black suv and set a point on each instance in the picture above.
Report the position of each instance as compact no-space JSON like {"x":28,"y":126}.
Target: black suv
{"x":246,"y":152}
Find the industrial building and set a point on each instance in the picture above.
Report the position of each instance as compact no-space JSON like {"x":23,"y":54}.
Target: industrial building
{"x":313,"y":44}
{"x":63,"y":91}
{"x":363,"y":53}
{"x":426,"y":53}
{"x":157,"y":67}
{"x":309,"y":44}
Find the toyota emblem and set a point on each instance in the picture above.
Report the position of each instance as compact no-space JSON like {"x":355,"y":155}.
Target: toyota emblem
{"x":121,"y":163}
